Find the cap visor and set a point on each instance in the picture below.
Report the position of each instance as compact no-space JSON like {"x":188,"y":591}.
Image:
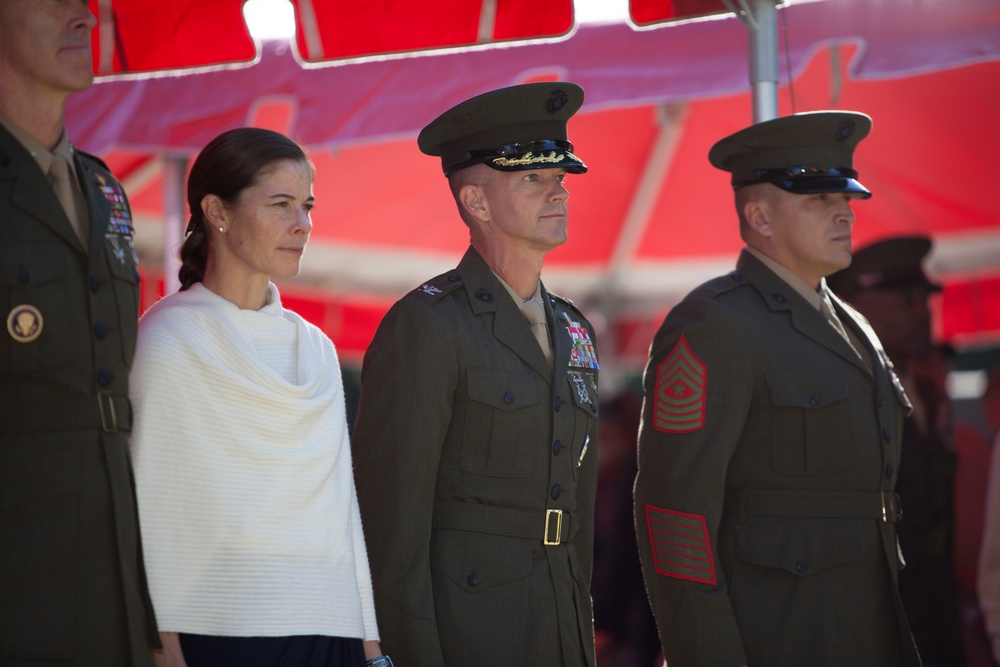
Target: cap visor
{"x":815,"y":186}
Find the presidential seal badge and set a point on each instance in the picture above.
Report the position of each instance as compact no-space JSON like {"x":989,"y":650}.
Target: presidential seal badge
{"x":24,"y":323}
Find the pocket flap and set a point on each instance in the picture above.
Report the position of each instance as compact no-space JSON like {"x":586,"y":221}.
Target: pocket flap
{"x":477,"y":562}
{"x":806,"y":387}
{"x":801,"y":547}
{"x":19,"y":268}
{"x":503,"y":390}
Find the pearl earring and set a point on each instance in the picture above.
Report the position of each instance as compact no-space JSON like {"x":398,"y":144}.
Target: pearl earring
{"x":221,"y":230}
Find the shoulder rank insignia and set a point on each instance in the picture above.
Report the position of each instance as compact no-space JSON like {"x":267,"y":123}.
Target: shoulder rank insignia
{"x":681,"y":383}
{"x":429,"y":289}
{"x":680,"y":545}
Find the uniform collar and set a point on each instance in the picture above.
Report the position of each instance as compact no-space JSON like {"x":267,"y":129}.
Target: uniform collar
{"x":804,"y":289}
{"x":41,"y":154}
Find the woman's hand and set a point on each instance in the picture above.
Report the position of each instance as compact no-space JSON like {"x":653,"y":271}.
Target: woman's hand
{"x":171,"y":655}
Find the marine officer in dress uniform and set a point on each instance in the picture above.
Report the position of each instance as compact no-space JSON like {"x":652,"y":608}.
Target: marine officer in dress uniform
{"x":72,"y":584}
{"x":770,"y":438}
{"x":476,"y":436}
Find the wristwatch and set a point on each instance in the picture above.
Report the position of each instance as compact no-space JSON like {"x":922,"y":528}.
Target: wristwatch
{"x":380,"y":661}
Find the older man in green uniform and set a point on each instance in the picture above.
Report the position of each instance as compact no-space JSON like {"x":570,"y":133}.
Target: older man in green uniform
{"x":72,"y":584}
{"x":475,"y":442}
{"x":771,"y":428}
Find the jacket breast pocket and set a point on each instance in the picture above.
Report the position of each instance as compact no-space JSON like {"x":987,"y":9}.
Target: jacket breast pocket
{"x":35,"y":303}
{"x":810,"y":422}
{"x":498,"y":423}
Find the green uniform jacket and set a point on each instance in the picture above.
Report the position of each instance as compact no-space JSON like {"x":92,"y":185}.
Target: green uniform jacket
{"x":72,"y":583}
{"x":465,"y":440}
{"x":764,"y":500}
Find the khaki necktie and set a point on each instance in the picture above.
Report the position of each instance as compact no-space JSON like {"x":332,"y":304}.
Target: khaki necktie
{"x":826,"y":308}
{"x":534,"y":312}
{"x":59,"y":176}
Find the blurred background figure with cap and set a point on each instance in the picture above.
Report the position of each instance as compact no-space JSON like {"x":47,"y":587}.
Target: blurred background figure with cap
{"x":771,"y":428}
{"x":988,"y":575}
{"x":475,"y":444}
{"x":886,"y":282}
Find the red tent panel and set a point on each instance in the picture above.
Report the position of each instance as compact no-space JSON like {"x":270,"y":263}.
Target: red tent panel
{"x":646,"y":12}
{"x":337,"y":30}
{"x":143,"y":36}
{"x":135,"y":36}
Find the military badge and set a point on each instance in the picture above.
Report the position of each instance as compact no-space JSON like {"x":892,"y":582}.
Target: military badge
{"x":580,"y":386}
{"x":119,"y":230}
{"x":680,"y":545}
{"x":429,"y":289}
{"x":25,"y":323}
{"x":681,"y":383}
{"x":582,"y":353}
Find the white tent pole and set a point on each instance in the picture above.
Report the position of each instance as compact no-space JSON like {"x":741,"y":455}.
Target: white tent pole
{"x":761,"y":20}
{"x":174,"y":170}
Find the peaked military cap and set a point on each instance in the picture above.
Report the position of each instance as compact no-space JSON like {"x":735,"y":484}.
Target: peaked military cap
{"x":805,"y":153}
{"x":892,"y":263}
{"x":510,"y":129}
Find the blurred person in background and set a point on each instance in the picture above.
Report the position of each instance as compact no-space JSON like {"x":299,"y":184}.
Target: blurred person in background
{"x":886,"y":282}
{"x":988,"y":574}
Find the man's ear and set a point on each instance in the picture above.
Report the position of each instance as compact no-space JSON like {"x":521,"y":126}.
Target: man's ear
{"x":757,"y":214}
{"x":473,"y":202}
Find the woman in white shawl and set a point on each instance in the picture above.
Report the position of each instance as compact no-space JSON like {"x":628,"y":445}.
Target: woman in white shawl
{"x":250,"y":521}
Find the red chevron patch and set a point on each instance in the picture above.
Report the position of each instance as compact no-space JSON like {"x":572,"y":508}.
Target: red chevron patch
{"x":680,"y":545}
{"x":681,"y":384}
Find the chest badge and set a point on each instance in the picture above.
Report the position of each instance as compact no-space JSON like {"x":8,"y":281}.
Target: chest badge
{"x":25,"y":323}
{"x":581,"y":387}
{"x":582,"y":353}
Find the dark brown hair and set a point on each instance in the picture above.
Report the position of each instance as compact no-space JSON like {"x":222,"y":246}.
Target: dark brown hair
{"x":229,"y":164}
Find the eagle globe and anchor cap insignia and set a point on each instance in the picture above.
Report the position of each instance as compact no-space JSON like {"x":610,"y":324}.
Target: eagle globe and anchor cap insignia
{"x":681,"y":381}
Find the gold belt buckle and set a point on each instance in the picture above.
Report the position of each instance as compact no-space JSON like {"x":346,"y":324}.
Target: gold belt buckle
{"x":545,"y":537}
{"x":890,"y":510}
{"x":109,"y":421}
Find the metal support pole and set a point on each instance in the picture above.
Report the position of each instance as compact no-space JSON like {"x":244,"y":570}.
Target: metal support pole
{"x":174,"y":170}
{"x":762,"y":29}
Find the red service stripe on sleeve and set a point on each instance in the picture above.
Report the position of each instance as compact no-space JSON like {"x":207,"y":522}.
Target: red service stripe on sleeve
{"x":681,"y":384}
{"x":680,"y":545}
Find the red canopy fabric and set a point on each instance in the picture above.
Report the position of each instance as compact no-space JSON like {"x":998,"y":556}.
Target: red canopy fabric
{"x":136,"y":36}
{"x":143,"y":36}
{"x":332,"y":30}
{"x":647,"y":12}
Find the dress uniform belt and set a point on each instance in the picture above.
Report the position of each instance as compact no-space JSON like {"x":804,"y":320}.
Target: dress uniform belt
{"x":552,"y":526}
{"x":106,"y":411}
{"x":747,"y":503}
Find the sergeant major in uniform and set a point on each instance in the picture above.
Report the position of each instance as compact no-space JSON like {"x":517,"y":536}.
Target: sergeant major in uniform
{"x":72,"y":584}
{"x":771,"y":428}
{"x":475,"y":442}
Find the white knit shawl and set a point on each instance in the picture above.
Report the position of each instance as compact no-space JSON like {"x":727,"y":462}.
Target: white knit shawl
{"x":250,"y":520}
